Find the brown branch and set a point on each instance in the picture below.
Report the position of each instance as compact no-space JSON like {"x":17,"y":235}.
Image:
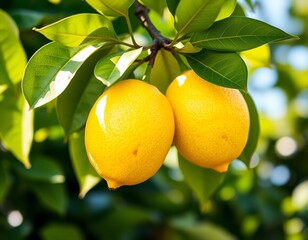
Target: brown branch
{"x":159,"y":41}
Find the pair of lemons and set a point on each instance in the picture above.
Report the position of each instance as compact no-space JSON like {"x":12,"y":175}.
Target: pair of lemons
{"x":132,"y":125}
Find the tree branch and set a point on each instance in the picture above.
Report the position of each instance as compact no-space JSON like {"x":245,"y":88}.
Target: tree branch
{"x":159,"y":41}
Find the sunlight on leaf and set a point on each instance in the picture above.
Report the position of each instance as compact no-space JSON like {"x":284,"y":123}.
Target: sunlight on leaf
{"x":196,"y":16}
{"x":16,"y":128}
{"x":112,"y":67}
{"x":257,"y":57}
{"x":227,"y":9}
{"x":111,"y":8}
{"x":80,"y":29}
{"x":50,"y":70}
{"x":12,"y":55}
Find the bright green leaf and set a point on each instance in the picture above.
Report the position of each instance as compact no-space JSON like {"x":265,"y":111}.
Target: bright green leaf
{"x":195,"y":16}
{"x":16,"y":128}
{"x":223,"y":69}
{"x":165,"y":70}
{"x":79,"y":29}
{"x":74,"y":104}
{"x":12,"y":55}
{"x":112,"y":67}
{"x":227,"y":9}
{"x":237,"y":34}
{"x":50,"y":70}
{"x":43,"y":169}
{"x":187,"y":48}
{"x":111,"y":8}
{"x":61,"y":231}
{"x":158,"y":5}
{"x":53,"y":196}
{"x":4,"y":178}
{"x":254,"y":131}
{"x":85,"y":173}
{"x":202,"y":181}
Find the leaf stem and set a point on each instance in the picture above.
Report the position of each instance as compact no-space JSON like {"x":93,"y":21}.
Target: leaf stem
{"x":159,"y":41}
{"x":130,"y":29}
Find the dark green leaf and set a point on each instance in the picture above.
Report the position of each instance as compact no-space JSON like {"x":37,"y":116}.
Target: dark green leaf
{"x":74,"y":104}
{"x":53,"y":196}
{"x":223,"y":69}
{"x":43,"y":169}
{"x":61,"y":231}
{"x":202,"y":181}
{"x":112,"y":67}
{"x":172,"y":5}
{"x":112,"y":8}
{"x":26,"y":19}
{"x":12,"y":55}
{"x":196,"y":16}
{"x":85,"y":173}
{"x":16,"y":128}
{"x":4,"y":178}
{"x":79,"y":29}
{"x":165,"y":70}
{"x":253,"y":131}
{"x":50,"y":70}
{"x":237,"y":34}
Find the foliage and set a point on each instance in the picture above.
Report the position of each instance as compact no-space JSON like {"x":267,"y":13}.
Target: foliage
{"x":60,"y":83}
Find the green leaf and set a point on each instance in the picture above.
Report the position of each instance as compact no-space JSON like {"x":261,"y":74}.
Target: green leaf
{"x":111,"y":8}
{"x":26,"y":19}
{"x":53,"y":196}
{"x":12,"y":55}
{"x":74,"y":104}
{"x":237,"y":34}
{"x":200,"y":230}
{"x":85,"y":173}
{"x":4,"y":179}
{"x":254,"y":131}
{"x":112,"y":67}
{"x":202,"y":181}
{"x":165,"y":70}
{"x":43,"y":169}
{"x":80,"y":29}
{"x":196,"y":16}
{"x":50,"y":70}
{"x":223,"y":69}
{"x":172,"y":5}
{"x":16,"y":128}
{"x":227,"y":9}
{"x":158,"y":5}
{"x":61,"y":231}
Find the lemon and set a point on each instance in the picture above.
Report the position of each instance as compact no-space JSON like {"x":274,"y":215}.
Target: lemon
{"x":128,"y":132}
{"x":211,"y":122}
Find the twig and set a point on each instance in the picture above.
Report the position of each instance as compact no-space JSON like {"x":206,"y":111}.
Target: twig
{"x":159,"y":41}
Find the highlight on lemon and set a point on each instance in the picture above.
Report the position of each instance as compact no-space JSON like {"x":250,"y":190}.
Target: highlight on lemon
{"x":211,"y":122}
{"x":128,"y":132}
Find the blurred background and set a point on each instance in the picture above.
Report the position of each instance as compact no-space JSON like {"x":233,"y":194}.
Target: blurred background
{"x":268,"y":201}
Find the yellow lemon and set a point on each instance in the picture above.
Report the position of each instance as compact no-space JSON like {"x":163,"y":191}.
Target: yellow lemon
{"x":128,"y":132}
{"x":211,"y":122}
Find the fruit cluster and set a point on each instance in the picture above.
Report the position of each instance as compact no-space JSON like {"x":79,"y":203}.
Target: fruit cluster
{"x":132,"y":125}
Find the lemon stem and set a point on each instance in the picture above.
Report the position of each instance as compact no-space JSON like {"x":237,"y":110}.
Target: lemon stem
{"x":159,"y":41}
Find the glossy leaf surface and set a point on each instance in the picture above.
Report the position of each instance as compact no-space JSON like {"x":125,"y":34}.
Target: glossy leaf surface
{"x":223,"y":69}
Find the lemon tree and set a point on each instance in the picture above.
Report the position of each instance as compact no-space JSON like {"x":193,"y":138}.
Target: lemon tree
{"x":90,"y":53}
